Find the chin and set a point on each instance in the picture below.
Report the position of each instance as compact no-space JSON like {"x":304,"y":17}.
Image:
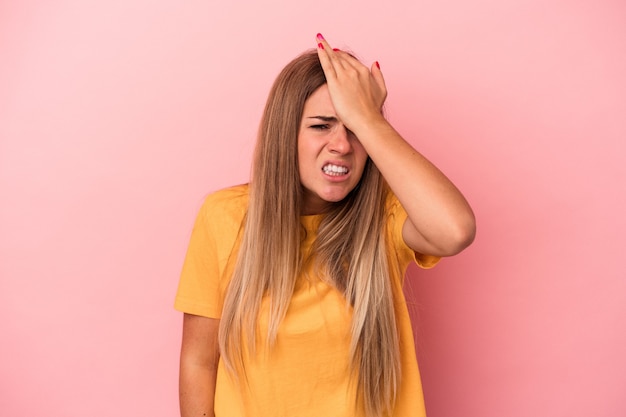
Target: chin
{"x":335,"y":197}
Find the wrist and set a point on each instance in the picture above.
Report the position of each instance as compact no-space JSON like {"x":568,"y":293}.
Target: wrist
{"x":372,"y":127}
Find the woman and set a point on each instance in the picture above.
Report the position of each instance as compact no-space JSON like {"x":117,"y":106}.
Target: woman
{"x":292,"y":285}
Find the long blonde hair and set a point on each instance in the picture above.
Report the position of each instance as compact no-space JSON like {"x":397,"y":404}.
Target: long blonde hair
{"x":350,"y":247}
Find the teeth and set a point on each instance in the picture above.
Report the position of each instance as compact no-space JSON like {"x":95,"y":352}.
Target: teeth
{"x":331,"y":169}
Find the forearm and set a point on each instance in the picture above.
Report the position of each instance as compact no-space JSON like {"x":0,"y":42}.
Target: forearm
{"x":199,"y":357}
{"x":436,"y":208}
{"x":196,"y":390}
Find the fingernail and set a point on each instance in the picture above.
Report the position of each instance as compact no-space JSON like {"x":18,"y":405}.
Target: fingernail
{"x":319,"y":45}
{"x":336,"y":49}
{"x":320,"y":37}
{"x":377,"y":64}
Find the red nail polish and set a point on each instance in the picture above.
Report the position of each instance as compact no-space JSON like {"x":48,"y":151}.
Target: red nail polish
{"x":377,"y":64}
{"x":319,"y":45}
{"x":336,"y":49}
{"x":320,"y":37}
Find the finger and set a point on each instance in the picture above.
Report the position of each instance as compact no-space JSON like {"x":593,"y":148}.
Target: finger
{"x":347,"y":60}
{"x":336,"y":57}
{"x":325,"y":52}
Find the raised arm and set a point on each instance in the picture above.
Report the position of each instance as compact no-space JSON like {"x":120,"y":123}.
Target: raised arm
{"x":198,"y":366}
{"x":440,"y":221}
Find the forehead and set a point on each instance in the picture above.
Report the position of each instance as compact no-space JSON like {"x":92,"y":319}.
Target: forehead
{"x":319,"y":103}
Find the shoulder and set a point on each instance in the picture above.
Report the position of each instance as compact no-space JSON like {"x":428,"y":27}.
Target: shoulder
{"x":223,"y":211}
{"x":396,"y":217}
{"x":231,"y":201}
{"x":393,"y":208}
{"x":233,"y":196}
{"x":395,"y":214}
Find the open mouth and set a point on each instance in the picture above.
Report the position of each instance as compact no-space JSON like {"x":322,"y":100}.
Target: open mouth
{"x":334,"y":170}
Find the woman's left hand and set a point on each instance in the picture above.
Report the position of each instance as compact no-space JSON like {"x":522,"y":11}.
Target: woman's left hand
{"x":357,"y":92}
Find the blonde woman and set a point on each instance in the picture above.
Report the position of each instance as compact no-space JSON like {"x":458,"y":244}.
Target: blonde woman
{"x":292,"y":284}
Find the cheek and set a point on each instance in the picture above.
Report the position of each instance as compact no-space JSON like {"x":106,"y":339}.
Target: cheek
{"x":302,"y":152}
{"x":360,"y":154}
{"x":306,"y":161}
{"x":303,"y":156}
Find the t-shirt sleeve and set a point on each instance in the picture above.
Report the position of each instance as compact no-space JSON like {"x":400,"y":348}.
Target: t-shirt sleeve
{"x":199,"y":285}
{"x":397,"y":217}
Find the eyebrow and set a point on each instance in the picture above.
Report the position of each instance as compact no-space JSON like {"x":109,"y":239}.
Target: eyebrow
{"x":324,"y":118}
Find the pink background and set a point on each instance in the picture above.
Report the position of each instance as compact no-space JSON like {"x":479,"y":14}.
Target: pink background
{"x":117,"y":117}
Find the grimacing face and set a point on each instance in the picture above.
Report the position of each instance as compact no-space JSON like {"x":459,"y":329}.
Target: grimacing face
{"x":331,"y":159}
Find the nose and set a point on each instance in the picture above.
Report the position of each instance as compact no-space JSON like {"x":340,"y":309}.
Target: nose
{"x":339,"y":142}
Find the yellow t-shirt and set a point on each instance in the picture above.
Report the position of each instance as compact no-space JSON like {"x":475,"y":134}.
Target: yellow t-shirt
{"x":306,"y":373}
